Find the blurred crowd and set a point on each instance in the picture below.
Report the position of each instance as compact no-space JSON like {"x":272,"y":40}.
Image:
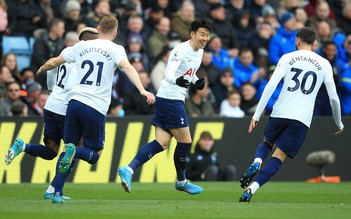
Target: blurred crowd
{"x":247,"y":39}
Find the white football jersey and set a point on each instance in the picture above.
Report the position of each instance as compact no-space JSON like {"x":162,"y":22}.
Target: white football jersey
{"x":303,"y":73}
{"x":183,"y":60}
{"x":96,"y":62}
{"x":57,"y":100}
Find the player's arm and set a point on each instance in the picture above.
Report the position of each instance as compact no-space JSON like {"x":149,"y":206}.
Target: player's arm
{"x":51,"y":79}
{"x":50,"y":64}
{"x":134,"y":78}
{"x":335,"y":105}
{"x":278,"y":74}
{"x":174,"y":61}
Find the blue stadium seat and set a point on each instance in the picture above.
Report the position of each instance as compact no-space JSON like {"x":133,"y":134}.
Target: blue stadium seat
{"x":23,"y":61}
{"x":31,"y":43}
{"x":16,"y":45}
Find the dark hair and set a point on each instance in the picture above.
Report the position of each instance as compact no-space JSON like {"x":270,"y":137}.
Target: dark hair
{"x":306,"y":35}
{"x":329,"y":42}
{"x":205,"y":23}
{"x":206,"y":135}
{"x":17,"y":109}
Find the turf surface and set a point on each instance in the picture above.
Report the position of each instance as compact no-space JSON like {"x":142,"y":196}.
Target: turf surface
{"x":219,"y":200}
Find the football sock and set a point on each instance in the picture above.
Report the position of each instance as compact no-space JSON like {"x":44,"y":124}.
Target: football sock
{"x":268,"y":171}
{"x":59,"y":179}
{"x":87,"y":154}
{"x":50,"y":189}
{"x":254,"y":186}
{"x":180,"y":155}
{"x":145,"y":153}
{"x":263,"y":150}
{"x":39,"y":150}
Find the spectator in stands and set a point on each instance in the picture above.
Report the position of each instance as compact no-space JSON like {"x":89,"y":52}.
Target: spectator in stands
{"x":102,"y":8}
{"x":284,"y":41}
{"x":12,"y":98}
{"x":10,"y":61}
{"x":5,"y":77}
{"x":220,"y":57}
{"x":342,"y":42}
{"x":344,"y":20}
{"x":345,"y":91}
{"x":19,"y":110}
{"x":312,"y":7}
{"x":115,"y":109}
{"x":37,"y":108}
{"x":323,"y":33}
{"x":248,"y":100}
{"x":136,"y":45}
{"x":45,"y":12}
{"x":165,"y":6}
{"x":224,"y":86}
{"x":158,"y":72}
{"x":173,"y":39}
{"x":245,"y":70}
{"x":322,"y":106}
{"x":153,"y":18}
{"x":134,"y":26}
{"x":259,"y":44}
{"x":210,"y":69}
{"x":300,"y":16}
{"x":136,"y":60}
{"x":256,"y":7}
{"x":222,"y":27}
{"x":159,"y":37}
{"x":23,"y":17}
{"x":197,"y":104}
{"x":322,"y":14}
{"x":4,"y":30}
{"x":234,"y":9}
{"x":71,"y":38}
{"x":126,"y":19}
{"x":244,"y":28}
{"x":270,"y":16}
{"x":33,"y":91}
{"x":180,"y":22}
{"x":27,"y":76}
{"x":134,"y":104}
{"x":203,"y":163}
{"x":230,"y":107}
{"x":49,"y":45}
{"x":288,"y":6}
{"x":72,"y":15}
{"x":202,"y":7}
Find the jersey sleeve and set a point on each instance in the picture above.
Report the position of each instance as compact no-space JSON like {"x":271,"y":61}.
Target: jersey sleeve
{"x":51,"y":78}
{"x":121,"y":55}
{"x":174,"y":61}
{"x":68,"y":54}
{"x":278,"y":74}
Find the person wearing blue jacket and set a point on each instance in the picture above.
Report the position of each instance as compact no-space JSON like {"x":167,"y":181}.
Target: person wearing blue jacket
{"x":284,"y":40}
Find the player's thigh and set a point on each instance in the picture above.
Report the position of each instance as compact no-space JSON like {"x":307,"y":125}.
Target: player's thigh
{"x":163,"y":137}
{"x":182,"y":134}
{"x":53,"y":129}
{"x":93,"y":129}
{"x":292,"y":138}
{"x":274,"y":128}
{"x":73,"y":127}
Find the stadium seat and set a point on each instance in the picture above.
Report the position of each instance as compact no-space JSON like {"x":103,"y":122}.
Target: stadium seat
{"x":16,"y":44}
{"x":23,"y":61}
{"x":31,"y":43}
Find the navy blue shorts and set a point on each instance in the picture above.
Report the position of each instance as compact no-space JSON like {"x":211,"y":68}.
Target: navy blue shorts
{"x":170,"y":114}
{"x":53,"y":126}
{"x":84,"y":121}
{"x":288,"y":135}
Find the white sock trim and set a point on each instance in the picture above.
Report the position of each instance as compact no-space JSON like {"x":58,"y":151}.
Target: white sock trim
{"x":254,"y":186}
{"x":50,"y":189}
{"x":181,"y":183}
{"x":24,"y":146}
{"x":258,"y":160}
{"x":130,"y":170}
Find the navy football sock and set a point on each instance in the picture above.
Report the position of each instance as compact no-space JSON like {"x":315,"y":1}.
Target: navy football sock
{"x":59,"y":180}
{"x":145,"y":153}
{"x":268,"y":171}
{"x":87,"y":154}
{"x":180,"y":155}
{"x":39,"y":150}
{"x":263,"y":150}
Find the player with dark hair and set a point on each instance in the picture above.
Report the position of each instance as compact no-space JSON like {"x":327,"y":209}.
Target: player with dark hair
{"x":170,"y":119}
{"x":303,"y":72}
{"x":89,"y":99}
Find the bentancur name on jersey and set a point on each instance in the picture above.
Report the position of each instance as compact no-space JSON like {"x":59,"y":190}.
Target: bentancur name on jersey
{"x":303,"y":58}
{"x":105,"y":53}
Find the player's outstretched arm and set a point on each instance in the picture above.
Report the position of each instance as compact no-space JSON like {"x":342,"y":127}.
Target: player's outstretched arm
{"x":50,"y":64}
{"x":134,"y":77}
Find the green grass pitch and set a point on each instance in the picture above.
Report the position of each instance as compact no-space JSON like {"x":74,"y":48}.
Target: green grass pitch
{"x":160,"y":200}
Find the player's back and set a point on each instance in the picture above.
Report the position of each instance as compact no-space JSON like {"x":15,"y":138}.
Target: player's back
{"x":96,"y":62}
{"x":304,"y":72}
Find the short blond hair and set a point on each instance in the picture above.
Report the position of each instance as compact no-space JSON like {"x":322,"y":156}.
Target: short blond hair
{"x":108,"y":24}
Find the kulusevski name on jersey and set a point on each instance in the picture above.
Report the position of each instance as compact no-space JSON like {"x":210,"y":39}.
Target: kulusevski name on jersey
{"x":305,"y":59}
{"x":105,"y":53}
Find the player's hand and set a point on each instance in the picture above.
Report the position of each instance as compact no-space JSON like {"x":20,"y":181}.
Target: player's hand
{"x":200,"y":84}
{"x":150,"y":98}
{"x":181,"y":82}
{"x":40,"y":71}
{"x":253,"y":124}
{"x":339,"y":132}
